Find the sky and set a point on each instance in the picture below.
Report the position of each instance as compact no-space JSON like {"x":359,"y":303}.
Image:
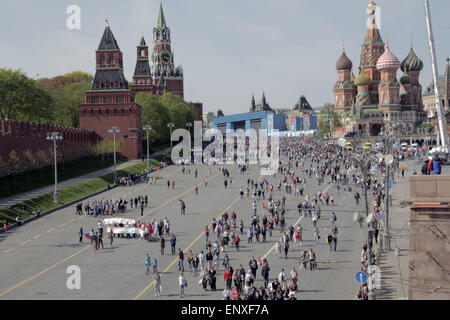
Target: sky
{"x":229,"y":49}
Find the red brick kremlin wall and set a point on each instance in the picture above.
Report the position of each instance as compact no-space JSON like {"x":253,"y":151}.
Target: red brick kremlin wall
{"x":20,"y":136}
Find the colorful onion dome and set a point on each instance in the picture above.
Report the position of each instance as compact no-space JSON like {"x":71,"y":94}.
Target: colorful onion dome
{"x":362,"y":79}
{"x":344,"y":63}
{"x":405,"y":79}
{"x":411,"y":62}
{"x":387,"y":60}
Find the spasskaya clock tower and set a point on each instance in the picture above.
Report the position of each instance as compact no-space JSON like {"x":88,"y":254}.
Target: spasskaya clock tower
{"x":165,"y":76}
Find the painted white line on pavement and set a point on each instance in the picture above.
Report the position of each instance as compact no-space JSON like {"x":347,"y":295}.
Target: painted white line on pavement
{"x":273,"y":247}
{"x":268,"y":252}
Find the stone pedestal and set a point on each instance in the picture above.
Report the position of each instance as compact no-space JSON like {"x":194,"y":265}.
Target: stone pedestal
{"x":429,"y":258}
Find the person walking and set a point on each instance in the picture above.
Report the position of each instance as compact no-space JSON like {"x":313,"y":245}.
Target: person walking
{"x":155,"y":265}
{"x":333,"y":219}
{"x":100,"y":240}
{"x":265,"y":274}
{"x":180,"y":260}
{"x":316,"y":235}
{"x":282,"y":278}
{"x":250,"y":234}
{"x":253,"y":264}
{"x":312,"y":259}
{"x":142,"y":208}
{"x":182,"y":283}
{"x":111,"y":237}
{"x":80,"y":234}
{"x":236,"y":240}
{"x":334,"y":240}
{"x":157,"y":279}
{"x":173,"y":242}
{"x":147,"y":263}
{"x":162,"y":243}
{"x":206,"y":233}
{"x":330,"y":241}
{"x":285,"y":246}
{"x":195,"y":263}
{"x":183,"y":207}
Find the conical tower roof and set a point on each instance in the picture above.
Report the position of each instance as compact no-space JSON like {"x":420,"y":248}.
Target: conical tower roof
{"x":108,"y":42}
{"x":142,"y":43}
{"x":161,"y":20}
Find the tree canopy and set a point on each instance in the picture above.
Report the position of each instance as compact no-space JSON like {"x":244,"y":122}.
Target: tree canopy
{"x":22,"y":98}
{"x":327,"y":112}
{"x":158,"y":111}
{"x":67,"y":93}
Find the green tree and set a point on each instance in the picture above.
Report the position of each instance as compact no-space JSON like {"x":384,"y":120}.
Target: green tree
{"x":67,"y":92}
{"x":329,"y":118}
{"x":428,"y":127}
{"x":180,"y":111}
{"x":156,"y":114}
{"x":22,"y":98}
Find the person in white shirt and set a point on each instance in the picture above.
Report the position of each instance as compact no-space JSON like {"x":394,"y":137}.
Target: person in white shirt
{"x":182,"y":283}
{"x":282,"y":279}
{"x":226,"y":293}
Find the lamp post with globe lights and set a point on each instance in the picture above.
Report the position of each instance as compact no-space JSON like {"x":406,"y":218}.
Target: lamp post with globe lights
{"x":148,"y":128}
{"x":365,"y":165}
{"x":114,"y":130}
{"x":170,"y":125}
{"x":55,"y":136}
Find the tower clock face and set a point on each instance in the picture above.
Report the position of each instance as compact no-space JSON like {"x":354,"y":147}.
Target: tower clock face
{"x":166,"y":57}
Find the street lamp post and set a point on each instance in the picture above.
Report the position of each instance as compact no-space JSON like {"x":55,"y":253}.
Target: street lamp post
{"x":170,"y":126}
{"x":54,"y":136}
{"x":114,"y":130}
{"x":189,"y":125}
{"x":148,"y":128}
{"x":364,"y":165}
{"x":389,"y":139}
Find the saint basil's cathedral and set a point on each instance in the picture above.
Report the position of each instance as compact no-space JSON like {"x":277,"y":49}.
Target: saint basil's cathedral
{"x":375,"y":98}
{"x":111,"y":100}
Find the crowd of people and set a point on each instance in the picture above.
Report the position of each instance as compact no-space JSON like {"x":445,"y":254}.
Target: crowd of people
{"x":305,"y":163}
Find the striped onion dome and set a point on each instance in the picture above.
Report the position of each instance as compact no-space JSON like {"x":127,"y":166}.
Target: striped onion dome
{"x":344,"y":63}
{"x":387,"y":60}
{"x":411,"y":62}
{"x":362,"y":79}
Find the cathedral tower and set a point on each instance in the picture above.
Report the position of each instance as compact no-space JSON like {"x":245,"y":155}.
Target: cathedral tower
{"x":344,"y":89}
{"x":389,"y":88}
{"x":412,"y":65}
{"x":371,"y":51}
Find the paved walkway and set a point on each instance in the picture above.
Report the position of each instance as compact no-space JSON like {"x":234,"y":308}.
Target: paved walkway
{"x":394,"y":264}
{"x":18,"y":198}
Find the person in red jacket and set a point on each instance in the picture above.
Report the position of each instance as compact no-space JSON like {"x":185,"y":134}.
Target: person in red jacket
{"x":227,"y":276}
